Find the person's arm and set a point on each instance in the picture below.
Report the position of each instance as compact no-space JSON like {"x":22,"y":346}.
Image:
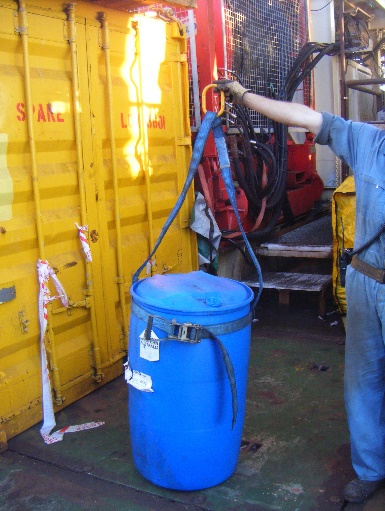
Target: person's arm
{"x":291,"y":114}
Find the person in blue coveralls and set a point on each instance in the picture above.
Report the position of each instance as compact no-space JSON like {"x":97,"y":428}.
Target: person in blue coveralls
{"x":362,"y":147}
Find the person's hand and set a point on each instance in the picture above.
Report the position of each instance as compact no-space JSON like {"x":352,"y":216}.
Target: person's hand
{"x":233,"y":90}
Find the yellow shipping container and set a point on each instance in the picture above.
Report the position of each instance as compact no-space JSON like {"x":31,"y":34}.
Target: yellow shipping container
{"x":94,"y":131}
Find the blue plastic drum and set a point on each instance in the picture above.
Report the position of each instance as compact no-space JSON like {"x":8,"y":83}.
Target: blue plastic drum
{"x":185,"y":425}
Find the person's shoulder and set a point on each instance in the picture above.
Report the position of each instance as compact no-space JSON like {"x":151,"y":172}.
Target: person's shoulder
{"x":368,"y":129}
{"x":323,"y":134}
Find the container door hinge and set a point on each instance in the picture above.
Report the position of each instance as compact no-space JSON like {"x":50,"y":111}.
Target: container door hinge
{"x":179,"y":57}
{"x":86,"y":303}
{"x":178,"y":30}
{"x":65,"y":31}
{"x":183,"y":141}
{"x":23,"y":323}
{"x":16,"y":22}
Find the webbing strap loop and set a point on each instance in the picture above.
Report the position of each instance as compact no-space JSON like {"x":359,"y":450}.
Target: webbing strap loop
{"x":210,"y":122}
{"x":224,"y":164}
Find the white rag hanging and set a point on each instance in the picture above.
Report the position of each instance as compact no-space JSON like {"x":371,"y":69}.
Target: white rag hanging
{"x":45,"y":272}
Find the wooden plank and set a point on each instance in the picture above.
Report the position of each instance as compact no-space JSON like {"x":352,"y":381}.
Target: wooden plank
{"x":292,"y":281}
{"x":285,"y":282}
{"x":276,"y":250}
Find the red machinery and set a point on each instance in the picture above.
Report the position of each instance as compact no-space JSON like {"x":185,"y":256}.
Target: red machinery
{"x":303,"y":184}
{"x":227,"y":42}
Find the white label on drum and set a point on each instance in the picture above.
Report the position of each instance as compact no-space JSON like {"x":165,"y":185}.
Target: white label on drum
{"x":149,"y":348}
{"x":137,"y":379}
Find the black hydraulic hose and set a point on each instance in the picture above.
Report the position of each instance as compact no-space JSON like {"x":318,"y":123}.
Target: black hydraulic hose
{"x":249,"y":180}
{"x":303,"y":56}
{"x":254,"y":205}
{"x":259,"y":149}
{"x":281,"y":157}
{"x":268,"y":157}
{"x":243,"y":113}
{"x":294,"y":86}
{"x":248,"y":163}
{"x":250,"y":170}
{"x":262,"y":151}
{"x":255,"y":191}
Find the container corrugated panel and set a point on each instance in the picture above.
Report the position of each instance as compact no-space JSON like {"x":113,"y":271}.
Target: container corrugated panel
{"x":108,"y":146}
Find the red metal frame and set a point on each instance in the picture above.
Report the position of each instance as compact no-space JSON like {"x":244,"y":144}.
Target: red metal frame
{"x":304,"y":186}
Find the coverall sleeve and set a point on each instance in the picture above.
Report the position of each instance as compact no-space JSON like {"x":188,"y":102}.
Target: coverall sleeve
{"x":350,"y":141}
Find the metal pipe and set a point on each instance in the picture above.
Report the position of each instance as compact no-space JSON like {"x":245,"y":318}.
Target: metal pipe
{"x":365,"y":89}
{"x":377,"y":59}
{"x":194,"y":68}
{"x":356,"y":85}
{"x":120,"y":280}
{"x":367,"y":81}
{"x":343,"y":88}
{"x":23,"y":31}
{"x":224,"y":38}
{"x":144,"y":138}
{"x":341,"y":39}
{"x":70,"y":10}
{"x":89,"y":292}
{"x":51,"y":345}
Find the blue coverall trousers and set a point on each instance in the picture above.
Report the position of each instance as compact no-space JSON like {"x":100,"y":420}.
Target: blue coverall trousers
{"x":365,"y":374}
{"x":362,"y":147}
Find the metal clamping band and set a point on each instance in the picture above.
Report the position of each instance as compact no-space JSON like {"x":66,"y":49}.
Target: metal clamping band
{"x":370,"y":271}
{"x":187,"y":332}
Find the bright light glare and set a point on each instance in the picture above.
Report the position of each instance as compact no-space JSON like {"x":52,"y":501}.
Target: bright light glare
{"x":145,"y":52}
{"x":60,"y":107}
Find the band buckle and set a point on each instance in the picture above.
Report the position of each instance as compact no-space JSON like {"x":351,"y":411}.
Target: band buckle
{"x":185,"y":332}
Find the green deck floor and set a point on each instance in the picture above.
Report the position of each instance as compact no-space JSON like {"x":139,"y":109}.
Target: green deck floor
{"x":296,"y":454}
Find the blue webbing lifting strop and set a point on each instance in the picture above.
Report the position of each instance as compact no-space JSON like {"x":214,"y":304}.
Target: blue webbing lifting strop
{"x":210,"y":122}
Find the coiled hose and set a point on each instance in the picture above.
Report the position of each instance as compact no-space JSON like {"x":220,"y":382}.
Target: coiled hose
{"x":250,"y":154}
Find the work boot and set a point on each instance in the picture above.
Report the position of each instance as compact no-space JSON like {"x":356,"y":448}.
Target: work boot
{"x":358,"y":490}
